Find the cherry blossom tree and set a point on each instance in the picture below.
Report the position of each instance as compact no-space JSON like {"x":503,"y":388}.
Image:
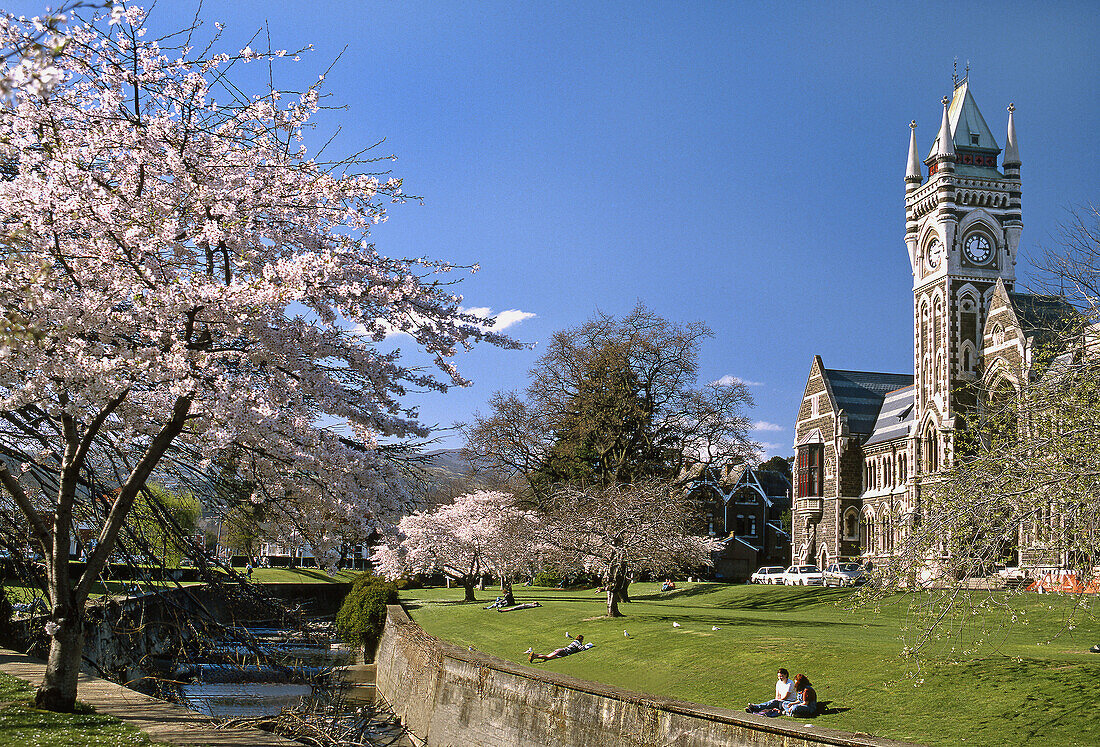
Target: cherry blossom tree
{"x":187,"y":278}
{"x":29,"y":47}
{"x":617,"y":530}
{"x":479,"y":533}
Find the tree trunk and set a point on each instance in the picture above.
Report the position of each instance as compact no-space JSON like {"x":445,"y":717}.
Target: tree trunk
{"x":468,"y":587}
{"x":615,"y":578}
{"x":624,"y":589}
{"x":58,"y":689}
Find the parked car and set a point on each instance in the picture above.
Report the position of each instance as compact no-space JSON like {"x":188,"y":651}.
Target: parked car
{"x":1013,"y":576}
{"x":769,"y":574}
{"x":802,"y":575}
{"x":844,"y":574}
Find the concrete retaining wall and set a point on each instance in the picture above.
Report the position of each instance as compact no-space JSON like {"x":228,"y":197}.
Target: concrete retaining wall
{"x":452,"y":697}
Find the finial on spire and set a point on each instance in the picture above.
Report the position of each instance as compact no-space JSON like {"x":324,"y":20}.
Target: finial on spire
{"x":946,"y":143}
{"x":912,"y":169}
{"x":955,"y":72}
{"x":1012,"y":153}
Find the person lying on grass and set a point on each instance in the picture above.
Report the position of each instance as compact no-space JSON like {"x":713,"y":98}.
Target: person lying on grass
{"x":514,"y":607}
{"x":578,"y":644}
{"x":784,"y":693}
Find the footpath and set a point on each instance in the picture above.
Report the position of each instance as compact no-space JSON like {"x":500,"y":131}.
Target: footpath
{"x":161,"y":720}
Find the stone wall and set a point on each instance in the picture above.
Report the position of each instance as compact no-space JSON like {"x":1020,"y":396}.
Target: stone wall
{"x":453,"y":697}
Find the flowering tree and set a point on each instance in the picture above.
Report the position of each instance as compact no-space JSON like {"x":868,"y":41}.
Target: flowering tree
{"x":617,"y":530}
{"x":185,"y":279}
{"x":478,"y":533}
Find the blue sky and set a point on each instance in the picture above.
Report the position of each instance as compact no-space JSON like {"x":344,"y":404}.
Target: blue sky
{"x":737,"y":163}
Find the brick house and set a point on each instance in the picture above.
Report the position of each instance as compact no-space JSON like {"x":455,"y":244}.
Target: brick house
{"x":745,"y":506}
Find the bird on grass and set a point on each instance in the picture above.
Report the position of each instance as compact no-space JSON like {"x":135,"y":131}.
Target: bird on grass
{"x":625,"y":634}
{"x":567,"y":634}
{"x":529,"y":651}
{"x":675,"y":625}
{"x":714,"y":627}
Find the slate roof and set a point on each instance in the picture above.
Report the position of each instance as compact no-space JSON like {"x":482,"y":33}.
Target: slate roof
{"x":860,"y":394}
{"x":897,"y":414}
{"x":1042,"y":313}
{"x":965,"y":120}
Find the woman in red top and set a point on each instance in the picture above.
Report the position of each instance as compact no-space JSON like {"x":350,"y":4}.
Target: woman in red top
{"x":806,"y":705}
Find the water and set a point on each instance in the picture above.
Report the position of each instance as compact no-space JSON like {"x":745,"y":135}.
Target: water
{"x":243,"y":699}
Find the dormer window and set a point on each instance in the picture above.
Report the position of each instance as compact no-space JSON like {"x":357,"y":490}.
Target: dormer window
{"x":973,"y":138}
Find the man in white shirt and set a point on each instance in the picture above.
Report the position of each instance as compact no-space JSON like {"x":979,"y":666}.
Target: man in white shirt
{"x":784,"y":693}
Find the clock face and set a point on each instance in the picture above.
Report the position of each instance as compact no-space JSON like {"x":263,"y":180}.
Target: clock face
{"x":934,"y":250}
{"x":978,"y":249}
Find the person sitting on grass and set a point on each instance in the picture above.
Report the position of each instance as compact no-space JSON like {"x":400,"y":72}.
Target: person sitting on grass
{"x":578,"y":644}
{"x":668,"y":585}
{"x":514,"y":607}
{"x":784,"y":693}
{"x":806,"y":705}
{"x":506,"y":600}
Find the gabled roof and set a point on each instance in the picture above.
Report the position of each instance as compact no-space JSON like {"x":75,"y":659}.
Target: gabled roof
{"x":860,"y":394}
{"x":966,"y":120}
{"x":895,"y":417}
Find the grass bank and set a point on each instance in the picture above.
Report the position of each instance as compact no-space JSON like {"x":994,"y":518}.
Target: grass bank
{"x":24,"y":726}
{"x":1026,"y":682}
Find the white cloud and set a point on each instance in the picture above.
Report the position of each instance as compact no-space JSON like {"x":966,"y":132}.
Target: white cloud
{"x":504,"y":319}
{"x":763,"y":425}
{"x":729,"y":380}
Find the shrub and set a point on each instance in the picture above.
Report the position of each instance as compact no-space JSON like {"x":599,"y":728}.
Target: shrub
{"x":363,"y":613}
{"x":546,"y":578}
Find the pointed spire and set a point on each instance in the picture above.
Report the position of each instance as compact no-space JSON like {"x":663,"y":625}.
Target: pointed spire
{"x":1012,"y":154}
{"x":912,"y":170}
{"x":946,"y":142}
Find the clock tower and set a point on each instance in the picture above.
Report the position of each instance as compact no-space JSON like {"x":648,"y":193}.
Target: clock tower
{"x":962,"y":230}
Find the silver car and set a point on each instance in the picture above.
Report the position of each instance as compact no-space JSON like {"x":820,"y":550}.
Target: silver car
{"x":844,"y":574}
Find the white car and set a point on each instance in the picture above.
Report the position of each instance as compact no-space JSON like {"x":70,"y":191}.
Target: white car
{"x":769,"y":574}
{"x":803,"y":575}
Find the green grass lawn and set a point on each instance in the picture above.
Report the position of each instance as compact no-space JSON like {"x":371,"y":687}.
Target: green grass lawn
{"x":300,"y":576}
{"x":23,"y":726}
{"x":1029,"y":682}
{"x":18,"y":593}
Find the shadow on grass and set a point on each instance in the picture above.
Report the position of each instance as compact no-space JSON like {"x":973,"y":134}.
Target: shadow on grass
{"x":826,"y":708}
{"x":688,"y":591}
{"x":688,"y":622}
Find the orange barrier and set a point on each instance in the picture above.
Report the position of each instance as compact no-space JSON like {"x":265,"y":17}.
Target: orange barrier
{"x":1064,"y":581}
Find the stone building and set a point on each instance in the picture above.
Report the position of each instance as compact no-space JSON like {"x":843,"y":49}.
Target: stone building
{"x":867,"y":442}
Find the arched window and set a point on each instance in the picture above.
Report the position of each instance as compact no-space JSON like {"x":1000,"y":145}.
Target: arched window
{"x":998,"y":334}
{"x":931,"y":449}
{"x":851,"y":524}
{"x":867,"y":532}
